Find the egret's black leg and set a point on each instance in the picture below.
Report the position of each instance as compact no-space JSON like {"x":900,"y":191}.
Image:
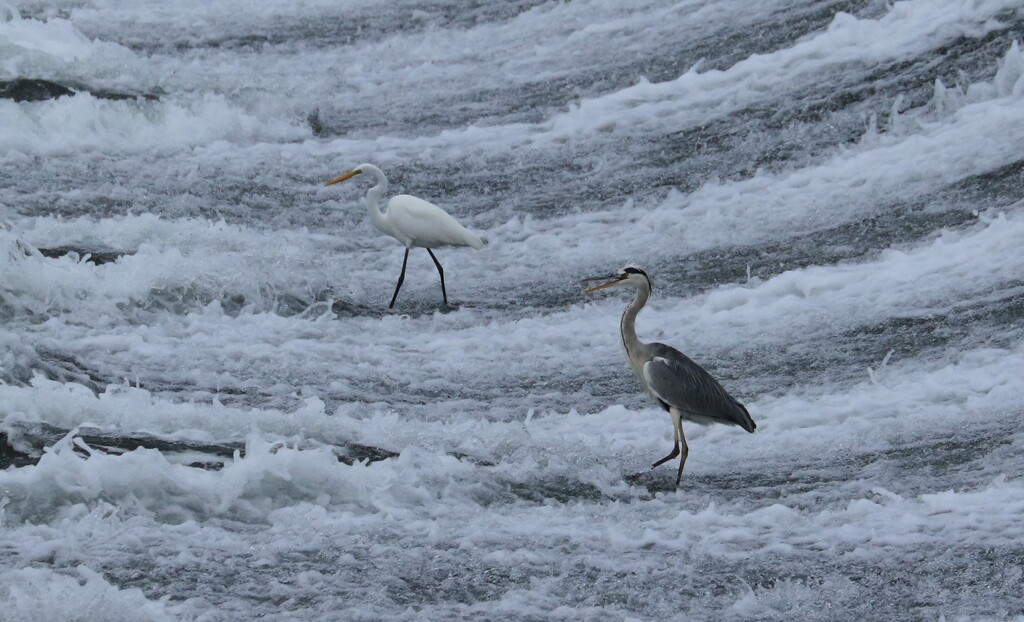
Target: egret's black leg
{"x":401,"y":277}
{"x":440,"y":271}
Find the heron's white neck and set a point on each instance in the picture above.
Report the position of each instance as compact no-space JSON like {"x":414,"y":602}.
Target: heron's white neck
{"x":628,"y":323}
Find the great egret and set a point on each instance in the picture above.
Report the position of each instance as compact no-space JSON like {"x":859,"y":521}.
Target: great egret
{"x":412,"y":221}
{"x":680,"y":386}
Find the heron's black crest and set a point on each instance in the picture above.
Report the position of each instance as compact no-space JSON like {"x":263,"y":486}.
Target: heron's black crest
{"x":640,"y":271}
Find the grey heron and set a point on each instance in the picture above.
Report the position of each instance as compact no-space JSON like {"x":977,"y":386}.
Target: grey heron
{"x":412,"y":221}
{"x":680,"y":386}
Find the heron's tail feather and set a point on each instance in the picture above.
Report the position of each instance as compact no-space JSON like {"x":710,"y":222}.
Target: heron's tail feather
{"x":743,"y":418}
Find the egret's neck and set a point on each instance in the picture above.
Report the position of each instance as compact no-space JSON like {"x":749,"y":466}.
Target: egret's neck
{"x":373,"y":206}
{"x":628,"y":324}
{"x":373,"y":196}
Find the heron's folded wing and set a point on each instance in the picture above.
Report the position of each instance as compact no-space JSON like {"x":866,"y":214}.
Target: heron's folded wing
{"x":679,"y":382}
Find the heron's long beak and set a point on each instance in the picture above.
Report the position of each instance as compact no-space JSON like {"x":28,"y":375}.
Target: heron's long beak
{"x":615,"y":279}
{"x":343,"y":177}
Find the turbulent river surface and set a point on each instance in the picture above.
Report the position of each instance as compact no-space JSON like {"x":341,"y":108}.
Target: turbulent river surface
{"x":208,"y":412}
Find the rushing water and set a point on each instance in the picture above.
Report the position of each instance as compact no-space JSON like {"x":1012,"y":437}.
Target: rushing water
{"x":208,"y":412}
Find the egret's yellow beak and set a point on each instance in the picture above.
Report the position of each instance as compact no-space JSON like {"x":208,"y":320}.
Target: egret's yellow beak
{"x":343,"y":177}
{"x":615,"y":280}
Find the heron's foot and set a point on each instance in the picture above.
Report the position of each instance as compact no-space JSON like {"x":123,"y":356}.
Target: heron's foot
{"x":675,"y":452}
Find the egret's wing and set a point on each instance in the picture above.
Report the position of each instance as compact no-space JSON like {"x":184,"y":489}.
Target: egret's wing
{"x":427,"y":224}
{"x":677,"y":381}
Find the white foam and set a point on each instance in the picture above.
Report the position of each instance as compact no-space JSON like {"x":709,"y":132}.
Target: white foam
{"x":974,"y":139}
{"x":31,"y":594}
{"x":159,"y":254}
{"x":81,"y":124}
{"x":55,"y":49}
{"x":908,"y":29}
{"x":695,"y":97}
{"x":900,"y":283}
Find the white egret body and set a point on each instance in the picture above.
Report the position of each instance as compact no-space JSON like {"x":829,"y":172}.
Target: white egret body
{"x":412,"y":221}
{"x":680,"y":386}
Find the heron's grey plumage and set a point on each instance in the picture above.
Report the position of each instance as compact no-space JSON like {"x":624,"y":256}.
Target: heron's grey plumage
{"x":677,"y":381}
{"x":680,"y":386}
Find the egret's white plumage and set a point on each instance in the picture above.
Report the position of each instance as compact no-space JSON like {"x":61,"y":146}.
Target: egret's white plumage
{"x":680,"y":386}
{"x":412,"y":221}
{"x":415,"y":222}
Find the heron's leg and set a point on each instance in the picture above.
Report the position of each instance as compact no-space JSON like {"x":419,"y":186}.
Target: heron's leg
{"x":686,"y":449}
{"x":676,"y":428}
{"x":401,"y":277}
{"x":675,"y":452}
{"x":440,"y":271}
